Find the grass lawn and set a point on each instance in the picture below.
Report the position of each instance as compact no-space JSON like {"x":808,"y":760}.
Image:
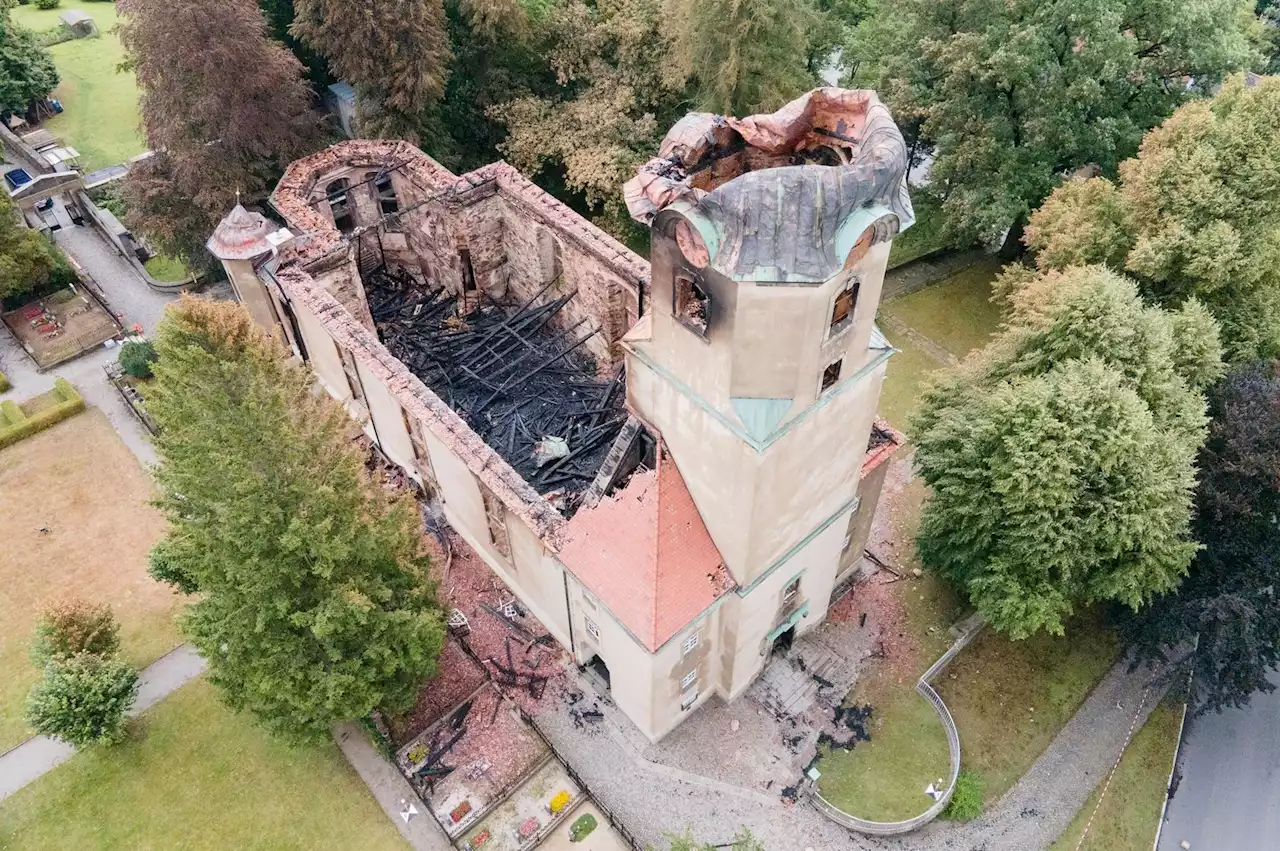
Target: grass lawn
{"x":80,"y":480}
{"x":195,"y":776}
{"x":908,"y":372}
{"x":956,"y":313}
{"x":101,"y":120}
{"x":166,"y":269}
{"x":1130,"y":813}
{"x":884,"y":779}
{"x":1010,"y":698}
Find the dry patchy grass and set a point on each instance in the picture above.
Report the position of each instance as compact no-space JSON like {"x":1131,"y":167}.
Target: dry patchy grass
{"x":80,"y":480}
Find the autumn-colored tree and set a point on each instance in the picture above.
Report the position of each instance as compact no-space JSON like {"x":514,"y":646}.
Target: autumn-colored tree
{"x":1196,"y":213}
{"x":395,"y":52}
{"x":71,"y":626}
{"x":314,"y":604}
{"x":223,"y":108}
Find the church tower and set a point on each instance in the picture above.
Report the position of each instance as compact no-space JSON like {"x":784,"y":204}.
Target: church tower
{"x":759,"y":362}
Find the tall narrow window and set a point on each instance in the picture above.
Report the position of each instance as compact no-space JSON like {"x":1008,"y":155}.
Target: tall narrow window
{"x":352,"y":373}
{"x":468,"y":271}
{"x":831,"y":375}
{"x":842,"y":309}
{"x":340,"y":204}
{"x":496,"y":516}
{"x":386,"y":191}
{"x":419,"y":444}
{"x":692,"y":304}
{"x":791,"y":591}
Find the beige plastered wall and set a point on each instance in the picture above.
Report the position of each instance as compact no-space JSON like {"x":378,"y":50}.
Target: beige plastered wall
{"x":759,"y":501}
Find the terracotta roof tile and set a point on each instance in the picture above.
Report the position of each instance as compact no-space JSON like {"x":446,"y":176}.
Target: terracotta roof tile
{"x":647,"y":555}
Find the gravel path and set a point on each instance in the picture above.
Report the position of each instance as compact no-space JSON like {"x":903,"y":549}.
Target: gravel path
{"x":40,"y":754}
{"x":655,"y":800}
{"x":127,"y":293}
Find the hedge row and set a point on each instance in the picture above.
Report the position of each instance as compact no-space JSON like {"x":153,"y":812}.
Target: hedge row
{"x":15,"y":425}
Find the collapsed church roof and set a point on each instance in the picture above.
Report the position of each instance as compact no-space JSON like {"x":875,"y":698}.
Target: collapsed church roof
{"x":771,"y":195}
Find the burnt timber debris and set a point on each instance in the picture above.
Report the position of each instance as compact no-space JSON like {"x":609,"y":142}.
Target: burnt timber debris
{"x":517,"y":374}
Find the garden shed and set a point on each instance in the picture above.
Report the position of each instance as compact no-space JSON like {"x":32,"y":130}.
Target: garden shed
{"x":79,"y":23}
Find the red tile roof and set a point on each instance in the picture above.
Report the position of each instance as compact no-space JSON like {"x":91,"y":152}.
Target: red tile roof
{"x":646,"y":554}
{"x":878,"y":453}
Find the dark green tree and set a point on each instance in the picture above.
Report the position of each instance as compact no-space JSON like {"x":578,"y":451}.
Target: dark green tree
{"x":1223,"y":621}
{"x":27,"y":259}
{"x":137,"y":357}
{"x":394,"y":52}
{"x":1061,"y":457}
{"x":1196,"y":213}
{"x":743,"y":56}
{"x":279,"y":15}
{"x":314,"y":603}
{"x":1014,"y":93}
{"x":616,"y":97}
{"x":27,"y":72}
{"x":498,"y":56}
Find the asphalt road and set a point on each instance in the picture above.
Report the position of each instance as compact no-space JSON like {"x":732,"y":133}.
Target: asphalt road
{"x":1229,"y":798}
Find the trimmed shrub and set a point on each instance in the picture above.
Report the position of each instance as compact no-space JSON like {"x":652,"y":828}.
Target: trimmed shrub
{"x":48,"y":4}
{"x":581,"y":827}
{"x":70,"y":627}
{"x":4,"y":383}
{"x":136,"y":357}
{"x":18,"y":426}
{"x":966,"y":800}
{"x":82,"y":700}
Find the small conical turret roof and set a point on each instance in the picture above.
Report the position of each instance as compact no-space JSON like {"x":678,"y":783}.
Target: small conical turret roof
{"x":242,"y":235}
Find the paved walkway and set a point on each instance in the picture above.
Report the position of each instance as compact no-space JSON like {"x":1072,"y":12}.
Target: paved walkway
{"x":657,"y":800}
{"x":37,"y":756}
{"x":127,"y":293}
{"x":132,"y":300}
{"x":390,"y":789}
{"x":1230,"y":764}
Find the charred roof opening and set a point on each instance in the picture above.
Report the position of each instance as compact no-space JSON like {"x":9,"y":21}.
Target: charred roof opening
{"x":520,"y":379}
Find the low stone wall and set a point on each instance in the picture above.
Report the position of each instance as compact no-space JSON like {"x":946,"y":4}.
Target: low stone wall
{"x":111,"y":228}
{"x":925,"y":271}
{"x":26,"y":155}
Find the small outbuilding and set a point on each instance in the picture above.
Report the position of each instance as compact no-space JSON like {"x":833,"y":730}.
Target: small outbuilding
{"x":79,"y":23}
